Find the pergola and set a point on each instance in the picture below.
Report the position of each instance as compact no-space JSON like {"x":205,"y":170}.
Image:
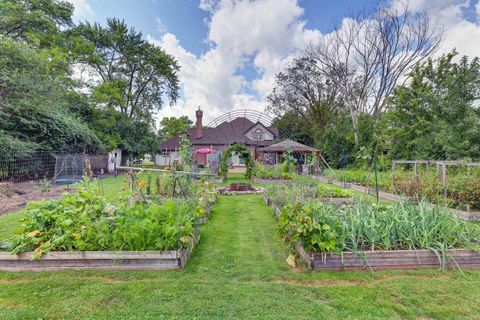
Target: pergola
{"x":289,"y":145}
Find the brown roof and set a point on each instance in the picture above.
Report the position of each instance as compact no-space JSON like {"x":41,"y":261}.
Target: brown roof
{"x":289,"y":144}
{"x":225,"y":133}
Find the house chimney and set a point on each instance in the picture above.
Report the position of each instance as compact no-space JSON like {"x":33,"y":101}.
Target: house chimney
{"x":198,"y":126}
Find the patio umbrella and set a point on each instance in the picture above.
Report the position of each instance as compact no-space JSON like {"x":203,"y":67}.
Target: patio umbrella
{"x":205,"y":151}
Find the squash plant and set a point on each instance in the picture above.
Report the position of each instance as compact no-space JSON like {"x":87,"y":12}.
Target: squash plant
{"x":85,"y":221}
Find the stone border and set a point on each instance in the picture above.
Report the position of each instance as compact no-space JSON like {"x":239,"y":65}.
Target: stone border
{"x":239,"y":193}
{"x":277,"y":181}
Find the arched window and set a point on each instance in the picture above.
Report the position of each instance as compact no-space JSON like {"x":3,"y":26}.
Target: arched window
{"x":257,"y":134}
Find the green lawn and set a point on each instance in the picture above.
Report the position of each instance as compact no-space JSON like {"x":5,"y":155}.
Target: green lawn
{"x":238,"y":271}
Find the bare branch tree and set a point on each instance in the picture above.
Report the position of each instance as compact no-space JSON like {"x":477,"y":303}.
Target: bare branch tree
{"x":371,"y":53}
{"x":303,"y":92}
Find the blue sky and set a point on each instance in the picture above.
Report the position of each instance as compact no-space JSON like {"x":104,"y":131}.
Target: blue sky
{"x":187,"y":20}
{"x":231,"y":50}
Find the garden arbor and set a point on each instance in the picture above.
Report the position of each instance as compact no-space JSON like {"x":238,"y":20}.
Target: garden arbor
{"x":242,"y":151}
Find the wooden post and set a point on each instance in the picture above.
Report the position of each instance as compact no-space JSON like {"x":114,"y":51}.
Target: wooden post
{"x":444,"y":180}
{"x":415,"y":166}
{"x":393,"y":175}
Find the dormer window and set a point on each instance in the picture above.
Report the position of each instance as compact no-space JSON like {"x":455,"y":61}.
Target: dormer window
{"x":258,"y":134}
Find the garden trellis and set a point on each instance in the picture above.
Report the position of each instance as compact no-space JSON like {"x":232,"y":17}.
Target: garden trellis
{"x":284,"y":139}
{"x":441,"y":171}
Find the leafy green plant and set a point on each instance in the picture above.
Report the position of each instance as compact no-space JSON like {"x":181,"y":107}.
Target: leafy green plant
{"x":366,"y":226}
{"x":45,"y":185}
{"x":304,"y":189}
{"x":243,"y":153}
{"x":86,"y":221}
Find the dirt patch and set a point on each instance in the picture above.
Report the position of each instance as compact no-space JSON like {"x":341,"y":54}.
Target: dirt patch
{"x":29,"y":192}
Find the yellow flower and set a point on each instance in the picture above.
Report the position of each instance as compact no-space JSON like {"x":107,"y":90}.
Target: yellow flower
{"x":33,"y":234}
{"x":141,"y":185}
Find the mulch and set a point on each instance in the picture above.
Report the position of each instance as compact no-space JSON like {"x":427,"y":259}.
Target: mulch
{"x":31,"y":193}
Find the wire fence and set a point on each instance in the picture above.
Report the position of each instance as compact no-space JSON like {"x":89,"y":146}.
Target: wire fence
{"x":46,"y":165}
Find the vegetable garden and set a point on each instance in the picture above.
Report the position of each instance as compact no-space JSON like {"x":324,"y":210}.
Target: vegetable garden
{"x":461,"y":188}
{"x":313,"y":225}
{"x":157,"y":213}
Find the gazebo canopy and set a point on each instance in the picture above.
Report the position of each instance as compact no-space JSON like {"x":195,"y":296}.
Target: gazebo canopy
{"x":288,"y":144}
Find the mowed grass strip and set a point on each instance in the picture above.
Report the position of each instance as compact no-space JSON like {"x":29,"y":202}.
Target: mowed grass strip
{"x":238,"y":271}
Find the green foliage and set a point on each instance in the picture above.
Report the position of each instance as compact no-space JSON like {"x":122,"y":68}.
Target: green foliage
{"x":171,"y":126}
{"x":36,"y":96}
{"x":242,"y":151}
{"x":365,"y":226}
{"x":462,"y":184}
{"x":434,"y":116}
{"x":289,"y":162}
{"x":185,"y":150}
{"x":304,"y":189}
{"x":262,"y":171}
{"x":35,"y":21}
{"x":135,"y":75}
{"x":85,"y":221}
{"x":317,"y":232}
{"x":45,"y":185}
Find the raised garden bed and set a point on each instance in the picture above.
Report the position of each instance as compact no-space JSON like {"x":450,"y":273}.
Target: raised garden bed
{"x":335,"y":201}
{"x":107,"y":260}
{"x":383,"y":260}
{"x":135,"y":235}
{"x":461,"y":214}
{"x":100,"y":260}
{"x":394,"y":259}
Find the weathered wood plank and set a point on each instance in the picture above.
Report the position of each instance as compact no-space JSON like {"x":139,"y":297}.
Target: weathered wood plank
{"x":93,"y":255}
{"x":395,"y":259}
{"x":306,"y":257}
{"x":126,"y":260}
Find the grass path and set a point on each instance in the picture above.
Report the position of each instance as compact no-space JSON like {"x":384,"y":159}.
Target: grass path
{"x":238,"y":271}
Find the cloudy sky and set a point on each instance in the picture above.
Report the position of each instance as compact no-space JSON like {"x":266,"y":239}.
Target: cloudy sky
{"x":229,"y":51}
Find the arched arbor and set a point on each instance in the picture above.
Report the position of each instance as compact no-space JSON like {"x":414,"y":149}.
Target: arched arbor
{"x":242,"y":151}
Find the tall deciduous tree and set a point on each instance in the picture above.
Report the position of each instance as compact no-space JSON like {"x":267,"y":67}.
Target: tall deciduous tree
{"x":34,"y":21}
{"x":171,"y":126}
{"x":35,"y":99}
{"x":369,"y":54}
{"x":436,"y":116}
{"x":135,"y":77}
{"x":301,"y":92}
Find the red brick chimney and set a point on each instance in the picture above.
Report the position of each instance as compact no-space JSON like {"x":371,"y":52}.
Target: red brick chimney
{"x":198,"y":125}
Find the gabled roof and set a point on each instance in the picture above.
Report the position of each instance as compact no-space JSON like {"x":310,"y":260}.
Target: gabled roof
{"x":268,"y":129}
{"x":225,"y":133}
{"x":287,"y":144}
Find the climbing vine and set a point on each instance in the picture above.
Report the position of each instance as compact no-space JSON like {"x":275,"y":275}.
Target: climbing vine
{"x":243,"y":153}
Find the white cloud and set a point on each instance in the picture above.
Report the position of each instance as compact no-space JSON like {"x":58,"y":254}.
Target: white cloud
{"x":82,"y":9}
{"x":266,"y":33}
{"x":161,"y":27}
{"x":459,"y":33}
